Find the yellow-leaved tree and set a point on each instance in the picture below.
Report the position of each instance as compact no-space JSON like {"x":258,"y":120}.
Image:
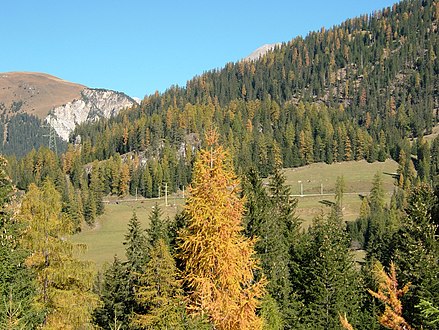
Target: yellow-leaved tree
{"x":64,"y":282}
{"x":389,"y":294}
{"x":218,"y":259}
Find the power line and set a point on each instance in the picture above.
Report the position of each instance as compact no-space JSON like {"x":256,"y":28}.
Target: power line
{"x":52,"y":136}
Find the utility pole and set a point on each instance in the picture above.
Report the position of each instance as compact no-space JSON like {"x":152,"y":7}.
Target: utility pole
{"x":321,"y":189}
{"x":51,"y":136}
{"x":166,"y":194}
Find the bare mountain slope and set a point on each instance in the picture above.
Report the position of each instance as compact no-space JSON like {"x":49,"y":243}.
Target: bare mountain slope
{"x":35,"y":93}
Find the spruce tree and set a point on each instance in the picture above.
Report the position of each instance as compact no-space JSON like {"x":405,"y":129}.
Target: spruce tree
{"x":272,"y":219}
{"x":135,"y":245}
{"x":416,"y":252}
{"x":330,"y":282}
{"x":115,"y":293}
{"x":159,"y":293}
{"x":158,"y":228}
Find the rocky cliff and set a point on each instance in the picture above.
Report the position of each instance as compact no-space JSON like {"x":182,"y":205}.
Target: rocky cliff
{"x":92,"y":105}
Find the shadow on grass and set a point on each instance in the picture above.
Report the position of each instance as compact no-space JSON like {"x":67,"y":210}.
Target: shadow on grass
{"x":393,"y":175}
{"x":327,"y":203}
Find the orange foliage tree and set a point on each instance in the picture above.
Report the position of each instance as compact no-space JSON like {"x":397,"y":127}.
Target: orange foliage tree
{"x":218,"y":259}
{"x":389,"y":294}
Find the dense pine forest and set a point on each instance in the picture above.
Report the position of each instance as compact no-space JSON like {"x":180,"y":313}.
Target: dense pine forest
{"x":237,"y":255}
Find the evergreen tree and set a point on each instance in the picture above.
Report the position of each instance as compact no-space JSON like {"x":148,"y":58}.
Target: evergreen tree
{"x":159,"y":293}
{"x":377,"y":232}
{"x":416,"y":252}
{"x":330,"y":283}
{"x":218,"y":261}
{"x":158,"y":229}
{"x":115,"y":293}
{"x":96,"y":188}
{"x":271,"y":314}
{"x":272,"y":219}
{"x":135,"y":245}
{"x":339,"y":191}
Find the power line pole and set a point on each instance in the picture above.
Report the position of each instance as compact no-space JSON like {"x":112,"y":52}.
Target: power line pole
{"x":51,"y":136}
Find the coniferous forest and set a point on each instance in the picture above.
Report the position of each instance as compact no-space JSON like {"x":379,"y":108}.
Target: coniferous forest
{"x":237,"y":256}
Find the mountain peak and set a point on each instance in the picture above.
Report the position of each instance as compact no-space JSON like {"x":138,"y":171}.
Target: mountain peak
{"x":261,"y":51}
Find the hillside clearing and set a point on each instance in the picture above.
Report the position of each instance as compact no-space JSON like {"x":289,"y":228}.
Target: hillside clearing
{"x":106,"y":239}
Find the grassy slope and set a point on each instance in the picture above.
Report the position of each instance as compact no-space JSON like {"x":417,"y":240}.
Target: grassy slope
{"x":105,"y":240}
{"x":358,"y":176}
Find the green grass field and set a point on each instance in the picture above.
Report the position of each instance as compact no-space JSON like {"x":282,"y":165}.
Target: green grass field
{"x":358,"y":176}
{"x":105,"y":239}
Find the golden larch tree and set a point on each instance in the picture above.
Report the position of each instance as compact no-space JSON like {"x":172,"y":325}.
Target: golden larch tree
{"x":218,"y":259}
{"x":389,"y":294}
{"x":64,"y":282}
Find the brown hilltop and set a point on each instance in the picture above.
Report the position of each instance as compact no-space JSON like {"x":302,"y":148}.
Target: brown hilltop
{"x":38,"y":93}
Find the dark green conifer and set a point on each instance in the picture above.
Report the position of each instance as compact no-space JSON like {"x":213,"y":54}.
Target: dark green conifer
{"x":330,"y":281}
{"x":135,"y":245}
{"x":116,"y":296}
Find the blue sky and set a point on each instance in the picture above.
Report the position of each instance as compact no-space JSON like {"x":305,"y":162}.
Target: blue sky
{"x":138,"y":47}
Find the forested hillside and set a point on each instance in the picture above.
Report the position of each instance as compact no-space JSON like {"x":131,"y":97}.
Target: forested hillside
{"x":355,"y":91}
{"x":361,"y":90}
{"x":237,"y":256}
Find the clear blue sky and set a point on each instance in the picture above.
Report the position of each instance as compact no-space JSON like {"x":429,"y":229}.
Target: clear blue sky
{"x":139,"y":46}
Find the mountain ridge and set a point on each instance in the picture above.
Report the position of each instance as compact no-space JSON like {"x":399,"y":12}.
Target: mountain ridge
{"x":39,"y":92}
{"x":31,"y":100}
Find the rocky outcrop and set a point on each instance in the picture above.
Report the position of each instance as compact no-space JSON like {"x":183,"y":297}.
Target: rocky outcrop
{"x":261,"y":51}
{"x":93,"y":104}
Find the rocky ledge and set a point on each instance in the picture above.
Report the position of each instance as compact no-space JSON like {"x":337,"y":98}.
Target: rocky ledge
{"x":93,"y":104}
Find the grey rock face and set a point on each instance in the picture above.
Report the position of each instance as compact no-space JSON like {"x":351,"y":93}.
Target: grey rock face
{"x":93,"y":105}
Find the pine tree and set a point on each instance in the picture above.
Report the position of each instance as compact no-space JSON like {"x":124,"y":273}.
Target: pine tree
{"x":218,"y":260}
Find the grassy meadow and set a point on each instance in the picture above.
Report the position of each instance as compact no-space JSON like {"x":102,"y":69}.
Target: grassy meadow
{"x":358,"y":177}
{"x":105,"y":239}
